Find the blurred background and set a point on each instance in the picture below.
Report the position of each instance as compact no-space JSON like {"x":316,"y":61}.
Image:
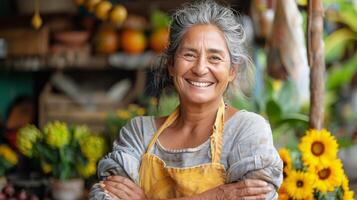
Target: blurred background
{"x":73,"y":72}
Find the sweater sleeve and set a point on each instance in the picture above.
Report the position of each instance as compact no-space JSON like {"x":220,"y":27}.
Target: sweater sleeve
{"x":123,"y":160}
{"x":254,"y":156}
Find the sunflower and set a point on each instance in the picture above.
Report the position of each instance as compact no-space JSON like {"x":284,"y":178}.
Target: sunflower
{"x":283,"y":194}
{"x":318,"y":148}
{"x":285,"y":156}
{"x":347,"y":193}
{"x":299,"y":185}
{"x":330,"y":177}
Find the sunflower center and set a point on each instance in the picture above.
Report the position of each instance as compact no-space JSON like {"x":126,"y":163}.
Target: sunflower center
{"x":299,"y":183}
{"x":324,"y":174}
{"x":317,"y":148}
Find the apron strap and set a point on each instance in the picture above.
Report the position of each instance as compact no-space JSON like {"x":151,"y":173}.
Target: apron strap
{"x":216,"y":137}
{"x":172,"y":117}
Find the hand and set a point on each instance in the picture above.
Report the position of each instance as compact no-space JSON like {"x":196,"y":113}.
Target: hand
{"x":248,"y":189}
{"x":122,"y":188}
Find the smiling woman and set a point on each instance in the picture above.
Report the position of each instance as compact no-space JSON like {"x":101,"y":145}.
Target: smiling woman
{"x":205,"y":149}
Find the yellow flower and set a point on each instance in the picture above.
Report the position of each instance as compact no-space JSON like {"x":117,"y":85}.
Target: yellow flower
{"x":46,"y":168}
{"x":81,"y":131}
{"x":283,"y":194}
{"x":347,"y":193}
{"x":87,"y":170}
{"x":318,"y":148}
{"x":26,"y":138}
{"x":93,"y":147}
{"x":277,"y":85}
{"x":330,"y":177}
{"x":57,"y":134}
{"x":153,"y":101}
{"x":133,"y":107}
{"x":285,"y":156}
{"x":123,"y":114}
{"x":8,"y":154}
{"x":140,"y":111}
{"x":299,"y":185}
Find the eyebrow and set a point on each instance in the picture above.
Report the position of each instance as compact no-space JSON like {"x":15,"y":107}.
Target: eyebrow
{"x":211,"y":50}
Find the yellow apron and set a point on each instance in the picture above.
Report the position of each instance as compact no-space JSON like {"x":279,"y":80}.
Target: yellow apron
{"x":161,"y":182}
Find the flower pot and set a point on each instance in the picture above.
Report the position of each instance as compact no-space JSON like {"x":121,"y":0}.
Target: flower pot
{"x":3,"y":182}
{"x":69,"y":190}
{"x":349,"y":159}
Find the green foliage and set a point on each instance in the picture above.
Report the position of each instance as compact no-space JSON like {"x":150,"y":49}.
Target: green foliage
{"x":340,"y":75}
{"x":159,"y":19}
{"x":279,"y":103}
{"x":63,"y":153}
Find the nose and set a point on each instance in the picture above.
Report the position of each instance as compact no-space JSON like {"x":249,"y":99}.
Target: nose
{"x":200,"y":66}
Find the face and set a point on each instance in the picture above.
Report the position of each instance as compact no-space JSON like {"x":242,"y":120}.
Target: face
{"x":201,"y":70}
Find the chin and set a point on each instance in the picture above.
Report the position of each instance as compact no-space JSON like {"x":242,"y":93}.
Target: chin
{"x":199,"y":98}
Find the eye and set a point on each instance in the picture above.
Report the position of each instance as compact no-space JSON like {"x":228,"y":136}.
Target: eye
{"x":189,"y":56}
{"x":215,"y":58}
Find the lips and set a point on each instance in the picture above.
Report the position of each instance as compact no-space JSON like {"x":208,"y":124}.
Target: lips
{"x":199,"y":83}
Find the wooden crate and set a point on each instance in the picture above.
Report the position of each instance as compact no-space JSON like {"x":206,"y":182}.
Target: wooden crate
{"x":26,"y":42}
{"x":57,"y":106}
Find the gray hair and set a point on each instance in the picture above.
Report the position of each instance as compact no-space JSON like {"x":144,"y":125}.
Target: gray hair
{"x":226,"y":20}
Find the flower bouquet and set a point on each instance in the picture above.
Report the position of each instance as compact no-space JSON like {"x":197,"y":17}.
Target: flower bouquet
{"x":63,"y":152}
{"x":314,"y":171}
{"x":8,"y":159}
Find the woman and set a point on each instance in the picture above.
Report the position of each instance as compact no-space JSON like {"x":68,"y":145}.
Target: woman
{"x":205,"y":149}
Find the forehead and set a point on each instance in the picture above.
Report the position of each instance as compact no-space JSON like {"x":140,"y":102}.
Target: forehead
{"x":205,"y":35}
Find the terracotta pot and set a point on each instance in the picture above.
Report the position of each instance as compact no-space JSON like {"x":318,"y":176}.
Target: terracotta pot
{"x":68,"y":190}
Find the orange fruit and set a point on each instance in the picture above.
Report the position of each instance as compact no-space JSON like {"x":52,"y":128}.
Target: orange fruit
{"x":102,"y":10}
{"x":159,"y":40}
{"x":91,"y":4}
{"x":106,"y":41}
{"x":118,"y":15}
{"x":133,"y":41}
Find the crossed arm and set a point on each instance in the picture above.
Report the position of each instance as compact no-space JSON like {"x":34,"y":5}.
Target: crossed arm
{"x":121,"y":188}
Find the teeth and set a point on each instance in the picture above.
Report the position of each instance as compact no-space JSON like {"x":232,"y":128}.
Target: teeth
{"x":199,"y":84}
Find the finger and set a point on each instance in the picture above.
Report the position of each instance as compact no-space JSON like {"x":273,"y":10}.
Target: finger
{"x":258,"y":197}
{"x":123,"y":180}
{"x":252,"y":191}
{"x":112,"y":196}
{"x":250,"y":183}
{"x":115,"y":190}
{"x":119,"y":186}
{"x":135,"y":189}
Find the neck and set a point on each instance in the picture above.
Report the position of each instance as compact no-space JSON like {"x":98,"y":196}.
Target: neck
{"x":194,"y":115}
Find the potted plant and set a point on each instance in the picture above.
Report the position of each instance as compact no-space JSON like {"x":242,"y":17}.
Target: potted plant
{"x":66,"y":154}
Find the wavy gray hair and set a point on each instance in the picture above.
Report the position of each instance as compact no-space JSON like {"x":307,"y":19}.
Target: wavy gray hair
{"x":226,"y":20}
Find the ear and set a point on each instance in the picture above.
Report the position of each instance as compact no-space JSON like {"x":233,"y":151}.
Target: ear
{"x":232,"y":72}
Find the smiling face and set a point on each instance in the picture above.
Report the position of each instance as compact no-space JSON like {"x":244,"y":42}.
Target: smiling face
{"x":201,"y":70}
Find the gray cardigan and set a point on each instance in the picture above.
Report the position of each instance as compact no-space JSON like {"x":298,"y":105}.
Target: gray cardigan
{"x":247,"y":152}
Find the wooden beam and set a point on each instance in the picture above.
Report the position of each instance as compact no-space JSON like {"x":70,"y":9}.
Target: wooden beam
{"x":317,"y":63}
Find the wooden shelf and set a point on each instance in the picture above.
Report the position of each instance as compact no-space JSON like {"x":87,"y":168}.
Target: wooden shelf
{"x":97,"y":62}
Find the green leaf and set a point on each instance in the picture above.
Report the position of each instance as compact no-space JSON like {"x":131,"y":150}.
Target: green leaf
{"x":288,"y":97}
{"x":348,"y":15}
{"x":273,"y":111}
{"x":336,"y":43}
{"x":159,"y":19}
{"x":341,"y":75}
